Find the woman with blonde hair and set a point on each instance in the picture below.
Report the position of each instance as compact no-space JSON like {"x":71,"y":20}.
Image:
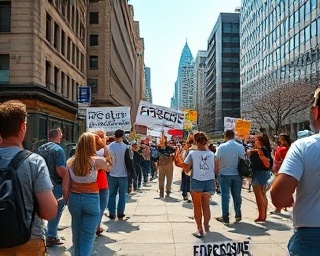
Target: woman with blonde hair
{"x":84,"y":203}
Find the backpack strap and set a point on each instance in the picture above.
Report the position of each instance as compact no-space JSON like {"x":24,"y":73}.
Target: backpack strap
{"x":15,"y":163}
{"x":19,"y":158}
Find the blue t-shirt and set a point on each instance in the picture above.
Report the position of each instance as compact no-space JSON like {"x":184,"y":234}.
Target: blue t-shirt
{"x":54,"y":156}
{"x":32,"y":171}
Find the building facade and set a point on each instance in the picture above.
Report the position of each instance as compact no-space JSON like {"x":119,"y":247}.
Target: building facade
{"x":42,"y":63}
{"x":280,"y":45}
{"x":147,"y":90}
{"x":222,"y":89}
{"x":184,"y":89}
{"x":200,"y":87}
{"x":115,"y":55}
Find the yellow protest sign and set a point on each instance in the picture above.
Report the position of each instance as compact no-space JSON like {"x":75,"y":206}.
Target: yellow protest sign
{"x":242,"y":128}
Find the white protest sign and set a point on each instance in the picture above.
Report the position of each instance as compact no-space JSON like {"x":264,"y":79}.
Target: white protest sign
{"x":154,"y":115}
{"x":108,"y":118}
{"x":229,"y":123}
{"x":227,"y":248}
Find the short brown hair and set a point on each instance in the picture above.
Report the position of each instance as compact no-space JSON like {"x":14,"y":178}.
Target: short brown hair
{"x":12,"y":114}
{"x":229,"y":134}
{"x":201,"y":138}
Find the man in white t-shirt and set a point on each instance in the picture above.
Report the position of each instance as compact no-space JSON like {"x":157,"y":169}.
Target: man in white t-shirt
{"x":300,"y":172}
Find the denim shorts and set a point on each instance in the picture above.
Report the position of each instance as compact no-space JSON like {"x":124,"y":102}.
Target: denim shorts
{"x":261,"y":177}
{"x":207,"y":186}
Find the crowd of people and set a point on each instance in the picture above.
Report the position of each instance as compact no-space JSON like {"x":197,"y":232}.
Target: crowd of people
{"x":102,"y":171}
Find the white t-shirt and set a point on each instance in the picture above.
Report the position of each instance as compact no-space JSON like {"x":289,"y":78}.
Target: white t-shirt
{"x":202,"y":164}
{"x":303,"y":163}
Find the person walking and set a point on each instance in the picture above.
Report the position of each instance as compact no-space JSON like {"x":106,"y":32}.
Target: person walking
{"x":299,"y":173}
{"x":146,"y":162}
{"x":228,"y":154}
{"x":84,"y":201}
{"x":279,"y":155}
{"x":55,"y":158}
{"x":118,"y":176}
{"x":137,"y":160}
{"x":166,"y":152}
{"x":202,"y":186}
{"x":261,"y":163}
{"x":34,"y":179}
{"x":102,"y":178}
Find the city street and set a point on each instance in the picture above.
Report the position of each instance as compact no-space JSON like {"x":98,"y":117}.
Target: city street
{"x":164,"y":227}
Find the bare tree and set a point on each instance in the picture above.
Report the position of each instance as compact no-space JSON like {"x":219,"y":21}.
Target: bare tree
{"x":280,"y":105}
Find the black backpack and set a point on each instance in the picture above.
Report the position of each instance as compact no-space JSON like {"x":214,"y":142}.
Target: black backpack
{"x":13,"y":228}
{"x":244,"y":167}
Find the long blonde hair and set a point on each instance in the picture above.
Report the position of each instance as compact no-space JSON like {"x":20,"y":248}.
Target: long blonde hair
{"x":86,"y":149}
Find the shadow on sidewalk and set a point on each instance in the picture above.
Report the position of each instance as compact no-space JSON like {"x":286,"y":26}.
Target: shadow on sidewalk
{"x":120,"y":225}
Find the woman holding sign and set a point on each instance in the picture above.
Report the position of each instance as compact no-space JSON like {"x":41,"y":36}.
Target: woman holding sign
{"x":202,"y":185}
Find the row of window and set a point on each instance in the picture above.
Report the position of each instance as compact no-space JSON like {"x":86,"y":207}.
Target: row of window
{"x":59,"y":82}
{"x":64,"y":44}
{"x":71,"y":14}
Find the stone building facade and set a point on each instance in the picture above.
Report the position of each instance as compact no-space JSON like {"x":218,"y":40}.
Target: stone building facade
{"x":42,"y":62}
{"x":49,"y":48}
{"x":115,"y":55}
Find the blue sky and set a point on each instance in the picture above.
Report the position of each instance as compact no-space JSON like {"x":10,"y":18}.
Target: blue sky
{"x":165,"y":26}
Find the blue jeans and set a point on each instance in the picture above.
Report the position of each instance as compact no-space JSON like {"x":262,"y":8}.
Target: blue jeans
{"x":52,"y":226}
{"x":104,"y":198}
{"x":233,"y":183}
{"x":117,"y":185}
{"x":85,"y":216}
{"x":138,"y":178}
{"x":305,"y":242}
{"x":146,"y":169}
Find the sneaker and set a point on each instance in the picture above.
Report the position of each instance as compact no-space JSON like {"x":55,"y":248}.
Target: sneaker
{"x":53,"y":241}
{"x":238,"y":219}
{"x":224,"y":221}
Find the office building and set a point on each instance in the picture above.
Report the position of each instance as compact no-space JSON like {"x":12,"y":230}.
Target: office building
{"x":184,"y":90}
{"x":222,"y":89}
{"x":279,"y":46}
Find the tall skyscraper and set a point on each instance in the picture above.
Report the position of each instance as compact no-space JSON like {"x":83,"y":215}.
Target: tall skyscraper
{"x":184,"y":97}
{"x":222,"y":92}
{"x":147,"y":88}
{"x":200,"y":79}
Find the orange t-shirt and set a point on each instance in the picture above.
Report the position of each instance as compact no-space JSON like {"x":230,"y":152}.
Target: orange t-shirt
{"x":102,"y":179}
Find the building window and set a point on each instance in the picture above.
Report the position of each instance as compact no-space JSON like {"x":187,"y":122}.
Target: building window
{"x":48,"y":28}
{"x":93,"y":83}
{"x":307,"y":33}
{"x":94,"y":17}
{"x":5,"y":16}
{"x":94,"y":40}
{"x":313,"y":4}
{"x":4,"y":68}
{"x":93,"y":62}
{"x":313,"y":28}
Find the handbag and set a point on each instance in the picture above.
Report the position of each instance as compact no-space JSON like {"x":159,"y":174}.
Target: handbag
{"x":244,"y":167}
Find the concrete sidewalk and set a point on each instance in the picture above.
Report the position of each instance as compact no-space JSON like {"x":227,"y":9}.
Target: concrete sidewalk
{"x":164,"y":227}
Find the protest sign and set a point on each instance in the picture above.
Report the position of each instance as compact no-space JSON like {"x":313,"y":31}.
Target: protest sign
{"x":227,"y":248}
{"x":242,"y":128}
{"x":153,"y":115}
{"x":108,"y":118}
{"x":229,"y":123}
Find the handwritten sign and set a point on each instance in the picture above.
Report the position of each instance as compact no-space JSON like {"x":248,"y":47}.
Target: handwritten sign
{"x":229,"y":123}
{"x":242,"y":128}
{"x":108,"y":118}
{"x":154,"y":115}
{"x":228,"y":248}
